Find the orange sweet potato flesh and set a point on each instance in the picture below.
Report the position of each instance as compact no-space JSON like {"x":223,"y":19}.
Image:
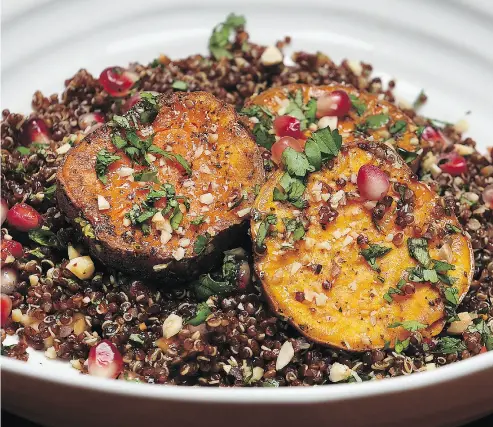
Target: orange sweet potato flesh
{"x":225,"y":162}
{"x":408,"y":140}
{"x":353,"y":314}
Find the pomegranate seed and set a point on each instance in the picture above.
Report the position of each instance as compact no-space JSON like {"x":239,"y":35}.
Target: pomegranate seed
{"x":5,"y":309}
{"x":483,"y":349}
{"x":488,"y":196}
{"x":11,"y":248}
{"x":90,"y":119}
{"x":288,"y":126}
{"x":431,"y":134}
{"x":117,"y":81}
{"x":373,"y":183}
{"x":9,"y":280}
{"x":104,"y":360}
{"x":24,"y":217}
{"x":243,"y":278}
{"x":454,"y":164}
{"x":279,"y":147}
{"x":35,"y":130}
{"x":4,"y":208}
{"x":336,"y":103}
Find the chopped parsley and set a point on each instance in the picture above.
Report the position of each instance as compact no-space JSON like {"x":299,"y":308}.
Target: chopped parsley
{"x":376,"y":121}
{"x":394,"y":291}
{"x":49,"y":191}
{"x":409,"y":325}
{"x":486,"y":333}
{"x":219,"y":40}
{"x":358,"y":105}
{"x":452,"y":229}
{"x":418,"y":249}
{"x":400,"y":346}
{"x":261,"y":130}
{"x":103,"y":159}
{"x":23,"y":150}
{"x":305,"y":113}
{"x":201,"y":243}
{"x":372,"y":253}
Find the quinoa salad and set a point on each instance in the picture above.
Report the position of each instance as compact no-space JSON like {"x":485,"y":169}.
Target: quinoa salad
{"x":349,"y":212}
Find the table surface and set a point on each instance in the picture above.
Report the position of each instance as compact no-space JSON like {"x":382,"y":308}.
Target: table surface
{"x":9,"y":420}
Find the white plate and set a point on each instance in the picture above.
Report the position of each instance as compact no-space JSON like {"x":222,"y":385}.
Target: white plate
{"x":444,"y":47}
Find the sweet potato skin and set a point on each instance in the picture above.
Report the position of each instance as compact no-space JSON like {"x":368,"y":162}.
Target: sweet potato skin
{"x":184,"y":123}
{"x":353,"y":314}
{"x":408,"y":140}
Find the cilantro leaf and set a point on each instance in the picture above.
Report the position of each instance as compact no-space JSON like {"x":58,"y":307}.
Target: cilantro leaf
{"x":49,"y":191}
{"x":418,"y":249}
{"x":219,"y":40}
{"x":452,"y":229}
{"x":146,"y":175}
{"x":409,"y":325}
{"x":372,"y":253}
{"x":294,"y":226}
{"x":263,"y":230}
{"x":398,"y":127}
{"x":23,"y":150}
{"x":296,"y":163}
{"x":400,"y":346}
{"x":376,"y":121}
{"x":197,"y":221}
{"x":448,"y":345}
{"x":313,"y":154}
{"x":120,"y":121}
{"x":358,"y":105}
{"x":408,"y":156}
{"x":180,"y":85}
{"x":203,"y":310}
{"x":329,"y":142}
{"x":201,"y":243}
{"x":118,"y":141}
{"x":173,"y":157}
{"x":43,"y":237}
{"x":103,"y":159}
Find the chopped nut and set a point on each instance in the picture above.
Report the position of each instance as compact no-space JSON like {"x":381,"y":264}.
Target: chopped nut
{"x":271,"y":56}
{"x":172,"y":325}
{"x":103,"y":204}
{"x":82,"y":267}
{"x":285,"y":355}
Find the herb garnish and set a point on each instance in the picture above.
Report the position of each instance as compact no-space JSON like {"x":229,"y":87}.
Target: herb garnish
{"x":263,"y":231}
{"x":103,"y":159}
{"x":180,"y":85}
{"x":201,"y":243}
{"x":409,"y":325}
{"x":43,"y":237}
{"x":398,"y":127}
{"x":376,"y":121}
{"x":146,"y":175}
{"x":358,"y":105}
{"x":372,"y":253}
{"x":203,"y":310}
{"x":394,"y":291}
{"x":448,"y":345}
{"x":293,"y":191}
{"x":294,"y":226}
{"x":219,"y":40}
{"x":261,"y":130}
{"x":198,"y":220}
{"x":408,"y":156}
{"x":322,"y":146}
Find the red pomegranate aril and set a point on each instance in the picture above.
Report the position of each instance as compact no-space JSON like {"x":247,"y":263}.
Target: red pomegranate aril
{"x":11,"y":248}
{"x":337,"y":103}
{"x":288,"y":126}
{"x":373,"y":183}
{"x":24,"y":217}
{"x":4,"y":208}
{"x":244,"y":275}
{"x":9,"y":279}
{"x":431,"y":134}
{"x":90,"y":119}
{"x":279,"y":147}
{"x":488,"y":196}
{"x":105,"y":360}
{"x":117,"y":81}
{"x":35,"y":130}
{"x":454,"y":164}
{"x":5,"y":309}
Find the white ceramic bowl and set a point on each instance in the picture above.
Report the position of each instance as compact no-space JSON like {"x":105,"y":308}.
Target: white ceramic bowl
{"x":444,"y":47}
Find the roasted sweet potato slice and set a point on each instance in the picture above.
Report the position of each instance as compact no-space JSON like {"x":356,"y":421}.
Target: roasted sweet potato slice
{"x":348,"y":276}
{"x":163,"y":190}
{"x":369,"y":117}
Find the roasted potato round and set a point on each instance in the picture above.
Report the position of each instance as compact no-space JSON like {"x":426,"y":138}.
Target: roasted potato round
{"x":358,"y":274}
{"x":164,"y":189}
